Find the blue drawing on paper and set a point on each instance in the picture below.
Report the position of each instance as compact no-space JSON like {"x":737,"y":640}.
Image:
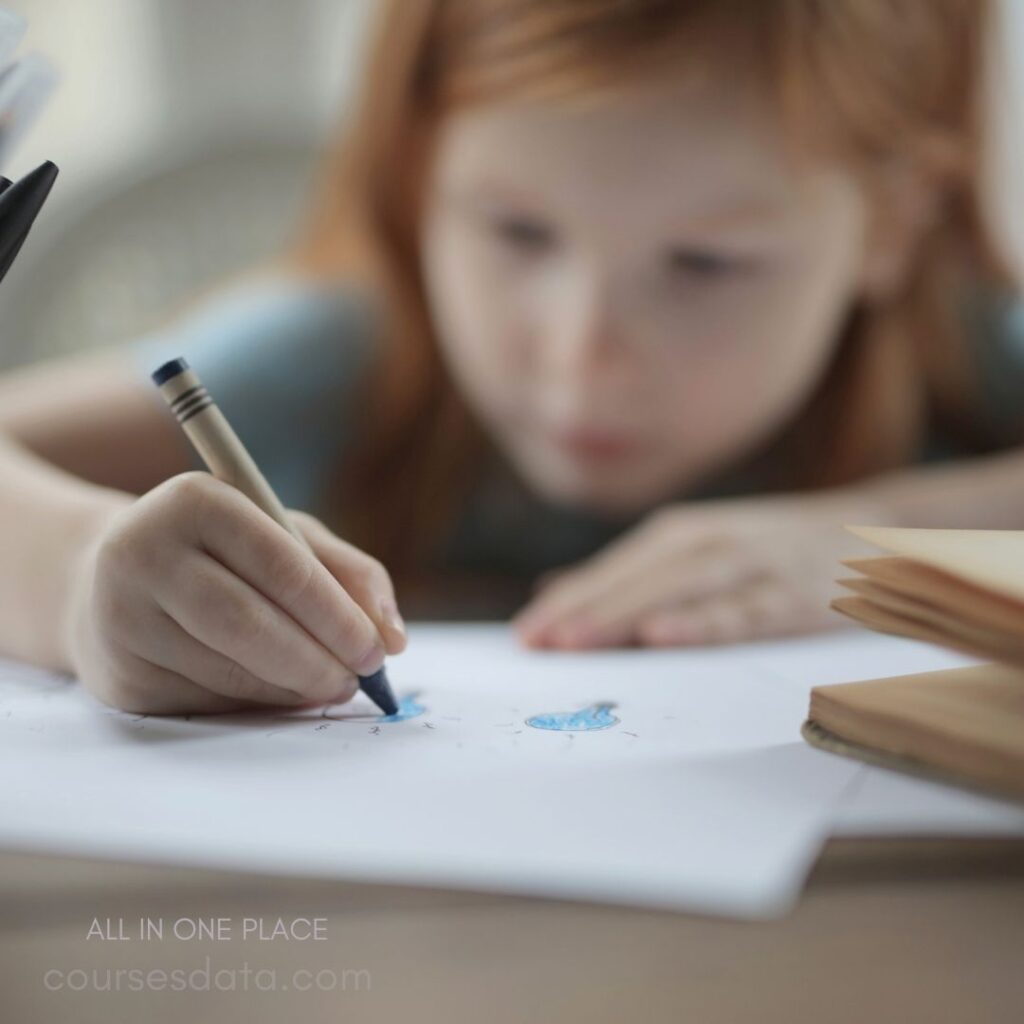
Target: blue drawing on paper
{"x":408,"y":707}
{"x":596,"y":716}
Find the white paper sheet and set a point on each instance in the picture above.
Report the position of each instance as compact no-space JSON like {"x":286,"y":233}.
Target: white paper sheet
{"x":695,"y":793}
{"x":887,"y":803}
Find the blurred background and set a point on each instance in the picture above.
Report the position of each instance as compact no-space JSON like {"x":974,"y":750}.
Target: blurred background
{"x":186,"y":132}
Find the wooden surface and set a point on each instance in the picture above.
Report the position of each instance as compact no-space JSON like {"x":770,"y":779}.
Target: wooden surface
{"x":886,"y":931}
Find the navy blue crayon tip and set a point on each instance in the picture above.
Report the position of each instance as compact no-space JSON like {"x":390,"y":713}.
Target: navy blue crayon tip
{"x":378,"y":689}
{"x":162,"y":374}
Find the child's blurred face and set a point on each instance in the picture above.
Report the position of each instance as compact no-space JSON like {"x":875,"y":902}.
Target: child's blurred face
{"x":634,"y":293}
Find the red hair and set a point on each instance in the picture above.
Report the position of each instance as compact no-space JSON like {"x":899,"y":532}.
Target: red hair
{"x":875,"y":83}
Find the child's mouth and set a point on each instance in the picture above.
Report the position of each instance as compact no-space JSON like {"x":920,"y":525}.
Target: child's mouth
{"x":590,"y":445}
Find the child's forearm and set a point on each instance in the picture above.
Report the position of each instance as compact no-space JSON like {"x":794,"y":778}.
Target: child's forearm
{"x":983,"y":493}
{"x":47,"y":517}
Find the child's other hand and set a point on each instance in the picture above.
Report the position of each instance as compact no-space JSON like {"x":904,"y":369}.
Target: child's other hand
{"x":192,"y":600}
{"x":707,"y":573}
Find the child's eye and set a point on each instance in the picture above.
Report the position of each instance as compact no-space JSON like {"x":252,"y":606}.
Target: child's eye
{"x":702,"y":263}
{"x":524,"y":234}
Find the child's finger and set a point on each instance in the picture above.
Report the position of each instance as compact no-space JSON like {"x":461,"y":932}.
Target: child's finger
{"x":171,"y":648}
{"x":576,"y":587}
{"x":222,"y":612}
{"x":604,"y":596}
{"x":753,"y":612}
{"x":261,"y":553}
{"x":611,"y":614}
{"x":364,"y":578}
{"x":568,"y":596}
{"x":143,"y":687}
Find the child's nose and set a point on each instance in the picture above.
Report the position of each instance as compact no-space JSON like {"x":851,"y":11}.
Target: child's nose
{"x":584,"y":336}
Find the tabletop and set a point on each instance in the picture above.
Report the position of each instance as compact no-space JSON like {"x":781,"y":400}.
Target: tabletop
{"x":908,"y":930}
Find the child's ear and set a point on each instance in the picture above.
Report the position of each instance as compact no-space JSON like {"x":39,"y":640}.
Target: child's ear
{"x":906,"y":204}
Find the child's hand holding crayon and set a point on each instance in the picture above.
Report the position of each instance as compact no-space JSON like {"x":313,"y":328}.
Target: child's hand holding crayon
{"x":191,"y":599}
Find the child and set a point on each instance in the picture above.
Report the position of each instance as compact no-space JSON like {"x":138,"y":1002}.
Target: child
{"x":657,"y":294}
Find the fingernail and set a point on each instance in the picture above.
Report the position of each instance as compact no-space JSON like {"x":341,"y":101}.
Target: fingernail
{"x":347,"y":691}
{"x":392,"y":619}
{"x":521,"y":624}
{"x":529,"y":623}
{"x":530,"y":635}
{"x":577,"y":634}
{"x":370,"y":661}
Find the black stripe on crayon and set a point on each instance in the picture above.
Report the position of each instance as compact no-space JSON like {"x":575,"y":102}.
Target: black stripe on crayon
{"x":186,"y":395}
{"x":187,"y":406}
{"x":203,"y":404}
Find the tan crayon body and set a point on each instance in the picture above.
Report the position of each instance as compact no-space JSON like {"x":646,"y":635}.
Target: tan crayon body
{"x":219,"y":446}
